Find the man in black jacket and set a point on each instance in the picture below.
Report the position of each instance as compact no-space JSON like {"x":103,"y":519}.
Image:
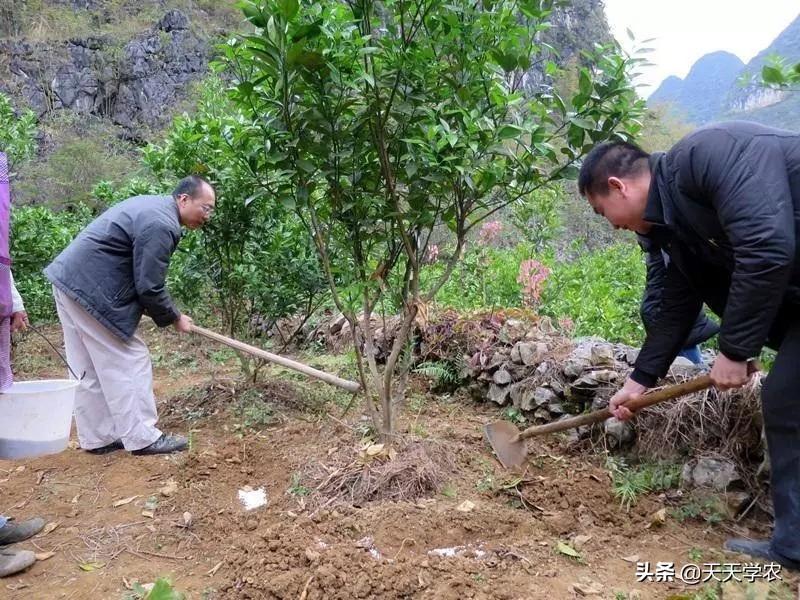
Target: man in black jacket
{"x":111,"y":274}
{"x":703,"y":329}
{"x":724,"y":203}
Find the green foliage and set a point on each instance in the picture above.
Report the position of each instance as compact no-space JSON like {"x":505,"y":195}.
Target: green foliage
{"x":780,"y":74}
{"x":377,"y":123}
{"x":631,"y":482}
{"x":17,"y":132}
{"x":485,"y":277}
{"x":255,"y":263}
{"x":601,"y":292}
{"x":83,"y":152}
{"x":708,"y":509}
{"x":162,"y":590}
{"x":37,"y":235}
{"x":538,"y":217}
{"x":297,"y":489}
{"x":442,"y":372}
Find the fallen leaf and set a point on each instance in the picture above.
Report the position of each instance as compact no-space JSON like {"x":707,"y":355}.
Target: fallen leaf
{"x":588,"y":589}
{"x":657,"y":519}
{"x":124,"y":501}
{"x":17,"y":586}
{"x":567,"y":550}
{"x":44,"y":555}
{"x":215,"y":568}
{"x":466,"y":506}
{"x":375,"y":449}
{"x":633,"y":558}
{"x":91,"y":566}
{"x":169,"y":489}
{"x":579,"y":541}
{"x":49,"y":528}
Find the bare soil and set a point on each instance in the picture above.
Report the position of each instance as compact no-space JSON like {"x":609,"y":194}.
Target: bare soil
{"x":503,"y":543}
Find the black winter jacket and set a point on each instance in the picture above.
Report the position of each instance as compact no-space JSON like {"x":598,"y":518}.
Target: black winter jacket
{"x":657,"y":260}
{"x":725,"y":203}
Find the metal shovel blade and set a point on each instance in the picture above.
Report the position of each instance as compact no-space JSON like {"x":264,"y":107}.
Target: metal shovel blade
{"x":504,"y":439}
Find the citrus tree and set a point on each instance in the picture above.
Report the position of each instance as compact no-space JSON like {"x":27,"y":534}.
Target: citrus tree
{"x":380,"y":122}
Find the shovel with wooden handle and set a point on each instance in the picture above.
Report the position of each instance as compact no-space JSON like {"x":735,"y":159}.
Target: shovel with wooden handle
{"x":345,"y":384}
{"x":508,"y":442}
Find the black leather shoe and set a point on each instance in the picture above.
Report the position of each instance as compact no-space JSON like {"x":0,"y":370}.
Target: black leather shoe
{"x":164,"y":445}
{"x":116,"y":445}
{"x":760,"y":549}
{"x":13,"y":532}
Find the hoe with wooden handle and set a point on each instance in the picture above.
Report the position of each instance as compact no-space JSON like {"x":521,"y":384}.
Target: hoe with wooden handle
{"x":350,"y":386}
{"x":508,"y":442}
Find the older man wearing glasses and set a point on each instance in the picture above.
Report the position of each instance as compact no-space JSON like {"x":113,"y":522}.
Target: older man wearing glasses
{"x":113,"y":272}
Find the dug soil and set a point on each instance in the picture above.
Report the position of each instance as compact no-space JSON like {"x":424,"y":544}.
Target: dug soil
{"x":556,"y":531}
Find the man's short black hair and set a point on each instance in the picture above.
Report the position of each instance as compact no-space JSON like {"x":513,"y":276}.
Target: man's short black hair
{"x":610,"y":159}
{"x":190,"y":186}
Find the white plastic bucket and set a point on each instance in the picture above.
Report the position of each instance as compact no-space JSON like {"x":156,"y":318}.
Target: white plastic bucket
{"x":35,"y":417}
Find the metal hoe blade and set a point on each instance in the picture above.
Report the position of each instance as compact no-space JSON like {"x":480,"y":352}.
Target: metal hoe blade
{"x":504,"y":439}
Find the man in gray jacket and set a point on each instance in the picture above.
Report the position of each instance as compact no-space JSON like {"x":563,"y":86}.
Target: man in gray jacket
{"x":113,"y":272}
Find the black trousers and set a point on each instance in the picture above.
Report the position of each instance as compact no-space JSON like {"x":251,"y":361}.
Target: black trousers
{"x":780,"y":400}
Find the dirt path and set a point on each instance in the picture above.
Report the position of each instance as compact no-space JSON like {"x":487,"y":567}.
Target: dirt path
{"x":505,"y":544}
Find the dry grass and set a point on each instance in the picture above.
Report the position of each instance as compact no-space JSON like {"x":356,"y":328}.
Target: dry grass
{"x":712,"y":423}
{"x":418,"y":469}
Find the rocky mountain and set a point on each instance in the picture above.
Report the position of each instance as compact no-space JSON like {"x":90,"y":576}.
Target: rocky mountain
{"x":107,"y":75}
{"x":713,"y":90}
{"x":702,"y":94}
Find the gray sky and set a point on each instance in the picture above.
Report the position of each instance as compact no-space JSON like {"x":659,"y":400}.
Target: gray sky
{"x":685,"y":30}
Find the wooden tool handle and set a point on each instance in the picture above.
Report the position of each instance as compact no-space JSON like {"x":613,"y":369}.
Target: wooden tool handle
{"x":668,"y":393}
{"x":350,"y":386}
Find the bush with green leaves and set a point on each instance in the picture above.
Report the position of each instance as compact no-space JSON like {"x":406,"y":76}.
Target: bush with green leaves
{"x":600,"y":292}
{"x":17,"y":132}
{"x":252,"y":263}
{"x":37,"y":235}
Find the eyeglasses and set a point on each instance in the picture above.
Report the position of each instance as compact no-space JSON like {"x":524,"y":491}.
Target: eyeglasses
{"x":207,"y":209}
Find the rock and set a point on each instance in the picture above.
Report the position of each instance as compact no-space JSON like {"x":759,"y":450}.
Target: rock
{"x":579,"y":541}
{"x":543,"y":396}
{"x":574,"y":366}
{"x":466,"y":506}
{"x":602,"y":355}
{"x":683,"y":367}
{"x":588,"y":589}
{"x":499,"y":394}
{"x":130,"y":81}
{"x":631,"y":355}
{"x":529,"y":353}
{"x":502,"y":377}
{"x":599,"y":403}
{"x":736,"y":502}
{"x":556,"y":409}
{"x":713,"y":473}
{"x":523,"y":397}
{"x":619,"y":433}
{"x":605,"y":376}
{"x":543,"y":414}
{"x":174,"y":20}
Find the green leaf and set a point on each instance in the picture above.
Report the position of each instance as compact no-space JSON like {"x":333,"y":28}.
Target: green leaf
{"x":507,"y":132}
{"x":306,"y":165}
{"x":162,"y":590}
{"x":567,"y":550}
{"x":288,"y":8}
{"x":772,"y":75}
{"x":253,"y":14}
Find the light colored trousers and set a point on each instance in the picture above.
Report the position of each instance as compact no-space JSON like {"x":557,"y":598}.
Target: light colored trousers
{"x":115,"y":399}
